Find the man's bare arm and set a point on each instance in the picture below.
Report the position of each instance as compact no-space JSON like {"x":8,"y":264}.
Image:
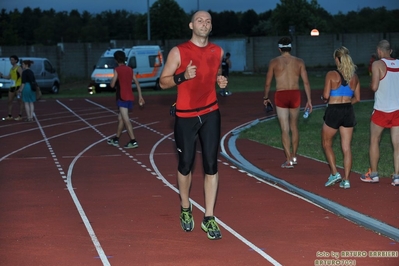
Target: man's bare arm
{"x":376,"y":69}
{"x":172,"y":63}
{"x":306,"y":84}
{"x":269,"y":78}
{"x":114,"y":79}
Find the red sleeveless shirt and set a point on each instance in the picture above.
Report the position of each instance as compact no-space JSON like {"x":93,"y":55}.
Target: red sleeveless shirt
{"x":199,"y":91}
{"x":125,"y":78}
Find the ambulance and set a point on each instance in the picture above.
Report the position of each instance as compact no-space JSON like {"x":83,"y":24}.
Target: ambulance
{"x":145,"y":60}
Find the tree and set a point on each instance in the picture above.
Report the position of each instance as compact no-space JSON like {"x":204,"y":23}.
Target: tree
{"x":297,"y":13}
{"x":225,"y":23}
{"x":168,"y":20}
{"x":248,"y":21}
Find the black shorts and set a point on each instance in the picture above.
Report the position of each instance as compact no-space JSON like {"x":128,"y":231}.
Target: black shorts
{"x":340,"y":115}
{"x":14,"y":89}
{"x":206,"y":128}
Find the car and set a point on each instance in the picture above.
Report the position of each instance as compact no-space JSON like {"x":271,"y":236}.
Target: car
{"x":45,"y":74}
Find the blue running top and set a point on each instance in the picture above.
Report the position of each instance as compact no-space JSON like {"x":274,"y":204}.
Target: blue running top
{"x":343,"y":89}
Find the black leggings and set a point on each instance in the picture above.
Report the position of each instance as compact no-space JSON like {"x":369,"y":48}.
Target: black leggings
{"x":207,"y":129}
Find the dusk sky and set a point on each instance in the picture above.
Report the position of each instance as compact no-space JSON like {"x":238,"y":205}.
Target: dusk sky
{"x":140,"y":6}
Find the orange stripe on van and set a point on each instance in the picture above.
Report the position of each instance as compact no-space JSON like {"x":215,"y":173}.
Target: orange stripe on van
{"x":155,"y":70}
{"x":109,"y":75}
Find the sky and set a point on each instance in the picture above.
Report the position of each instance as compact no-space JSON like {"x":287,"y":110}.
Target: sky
{"x":140,"y":6}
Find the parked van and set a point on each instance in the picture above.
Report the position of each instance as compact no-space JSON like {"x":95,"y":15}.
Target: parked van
{"x":45,"y":74}
{"x":146,"y":61}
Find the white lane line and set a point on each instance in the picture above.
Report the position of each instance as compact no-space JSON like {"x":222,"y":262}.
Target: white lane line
{"x":73,"y":195}
{"x":75,"y":199}
{"x":225,"y":226}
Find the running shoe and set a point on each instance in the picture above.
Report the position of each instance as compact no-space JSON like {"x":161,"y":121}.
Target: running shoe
{"x":344,"y":184}
{"x":113,"y":142}
{"x":294,"y":161}
{"x":9,"y":118}
{"x":395,"y":180}
{"x":186,"y":218}
{"x":131,"y":145}
{"x":370,"y":177}
{"x":332,"y":179}
{"x":287,"y":164}
{"x":19,"y":118}
{"x":210,"y":226}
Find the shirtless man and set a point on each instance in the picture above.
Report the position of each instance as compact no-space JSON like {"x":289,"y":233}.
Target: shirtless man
{"x":287,"y":69}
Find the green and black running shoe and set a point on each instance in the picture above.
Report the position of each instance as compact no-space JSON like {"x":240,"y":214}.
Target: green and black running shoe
{"x":186,"y":218}
{"x":210,"y":226}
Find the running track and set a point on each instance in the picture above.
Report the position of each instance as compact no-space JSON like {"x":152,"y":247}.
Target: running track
{"x":68,"y":198}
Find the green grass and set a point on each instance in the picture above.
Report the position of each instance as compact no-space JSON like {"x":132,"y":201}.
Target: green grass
{"x":269,"y":133}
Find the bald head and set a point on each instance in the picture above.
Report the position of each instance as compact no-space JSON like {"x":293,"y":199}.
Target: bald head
{"x":384,"y":45}
{"x":200,"y":14}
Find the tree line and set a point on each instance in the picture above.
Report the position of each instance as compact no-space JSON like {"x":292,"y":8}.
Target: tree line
{"x":169,"y":21}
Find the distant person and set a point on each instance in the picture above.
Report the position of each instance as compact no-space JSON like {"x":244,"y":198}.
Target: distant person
{"x":28,"y":89}
{"x":372,"y":59}
{"x":226,"y":65}
{"x":341,"y":91}
{"x":15,"y":76}
{"x":122,"y":82}
{"x":385,"y":84}
{"x":193,"y":66}
{"x":287,"y":69}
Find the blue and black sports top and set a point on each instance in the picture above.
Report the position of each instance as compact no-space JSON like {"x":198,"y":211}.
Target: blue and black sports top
{"x":343,"y":90}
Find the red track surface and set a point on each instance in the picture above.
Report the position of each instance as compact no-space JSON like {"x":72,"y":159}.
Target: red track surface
{"x":68,"y":198}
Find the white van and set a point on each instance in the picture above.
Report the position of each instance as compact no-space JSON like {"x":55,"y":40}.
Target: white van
{"x":146,"y":61}
{"x":45,"y":74}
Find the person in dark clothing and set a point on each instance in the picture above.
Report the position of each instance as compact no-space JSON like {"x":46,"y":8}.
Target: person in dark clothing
{"x":226,"y":65}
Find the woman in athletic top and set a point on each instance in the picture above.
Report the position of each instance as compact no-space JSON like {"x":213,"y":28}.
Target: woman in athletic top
{"x":341,"y":91}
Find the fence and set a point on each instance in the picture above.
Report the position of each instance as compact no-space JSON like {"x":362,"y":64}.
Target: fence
{"x":76,"y":60}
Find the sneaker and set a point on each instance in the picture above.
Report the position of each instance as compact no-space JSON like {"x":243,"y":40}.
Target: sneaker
{"x":344,"y":184}
{"x":370,"y":177}
{"x":9,"y":118}
{"x":294,"y":161}
{"x":114,"y":142}
{"x":19,"y":118}
{"x":211,"y":228}
{"x":332,"y":179}
{"x":395,"y":180}
{"x":186,"y":219}
{"x":131,"y":145}
{"x":287,"y":164}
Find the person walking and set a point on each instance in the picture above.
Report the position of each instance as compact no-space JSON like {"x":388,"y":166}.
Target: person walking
{"x":287,"y":69}
{"x":28,"y":89}
{"x":15,"y":76}
{"x":193,"y":66}
{"x":385,"y":84}
{"x":226,"y":65}
{"x":122,"y":82}
{"x":341,"y":91}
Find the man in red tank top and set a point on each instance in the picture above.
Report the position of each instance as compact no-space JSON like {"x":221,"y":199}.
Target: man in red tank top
{"x":122,"y":82}
{"x":193,"y":66}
